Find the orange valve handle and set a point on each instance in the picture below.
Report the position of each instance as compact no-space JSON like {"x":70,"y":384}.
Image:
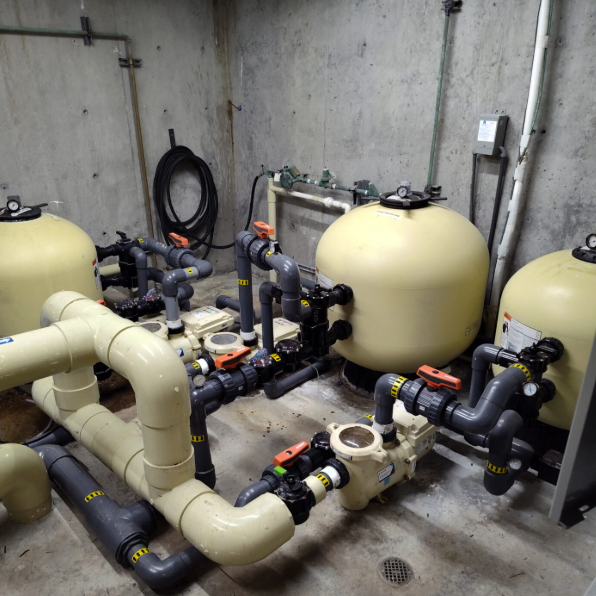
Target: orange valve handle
{"x":435,"y":378}
{"x":179,"y":241}
{"x":231,"y":359}
{"x":290,"y":455}
{"x":263,"y":230}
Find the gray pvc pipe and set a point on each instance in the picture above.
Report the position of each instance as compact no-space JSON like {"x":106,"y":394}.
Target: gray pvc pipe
{"x":275,"y":389}
{"x":309,"y":284}
{"x":266,"y":300}
{"x":140,"y":258}
{"x":123,"y":532}
{"x":243,"y":265}
{"x":384,"y":401}
{"x":493,"y":401}
{"x":223,"y":301}
{"x":59,"y":436}
{"x":484,"y":356}
{"x":170,"y":288}
{"x":289,"y":281}
{"x":251,"y":492}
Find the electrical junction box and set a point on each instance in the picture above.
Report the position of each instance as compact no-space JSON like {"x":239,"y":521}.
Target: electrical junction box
{"x":491,"y":134}
{"x":282,"y":329}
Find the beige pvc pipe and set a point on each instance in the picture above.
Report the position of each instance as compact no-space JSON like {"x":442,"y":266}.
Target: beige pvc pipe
{"x":24,"y":483}
{"x":113,"y":269}
{"x":154,"y":454}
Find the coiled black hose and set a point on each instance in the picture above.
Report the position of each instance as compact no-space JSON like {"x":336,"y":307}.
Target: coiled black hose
{"x":200,"y":226}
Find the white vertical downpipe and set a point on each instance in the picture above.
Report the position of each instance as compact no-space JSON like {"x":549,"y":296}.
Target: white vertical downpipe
{"x":507,"y":246}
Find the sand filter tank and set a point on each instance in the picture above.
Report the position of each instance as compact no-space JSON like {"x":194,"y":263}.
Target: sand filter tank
{"x":40,"y":254}
{"x":418,"y":271}
{"x":553,"y":296}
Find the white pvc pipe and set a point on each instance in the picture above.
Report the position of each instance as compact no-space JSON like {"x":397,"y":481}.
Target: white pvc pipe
{"x":153,"y":455}
{"x":507,"y":245}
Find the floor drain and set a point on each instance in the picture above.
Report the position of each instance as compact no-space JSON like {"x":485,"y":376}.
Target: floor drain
{"x":395,"y":571}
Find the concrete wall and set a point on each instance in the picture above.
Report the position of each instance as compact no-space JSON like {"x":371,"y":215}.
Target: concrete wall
{"x":352,"y":86}
{"x":66,"y":125}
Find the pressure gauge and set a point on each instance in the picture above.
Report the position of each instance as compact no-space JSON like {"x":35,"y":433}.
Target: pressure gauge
{"x":13,"y":204}
{"x":591,"y":241}
{"x":530,"y":389}
{"x":402,"y":191}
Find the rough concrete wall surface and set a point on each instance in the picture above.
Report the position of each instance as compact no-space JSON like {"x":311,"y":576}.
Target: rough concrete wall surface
{"x":352,"y":86}
{"x":67,"y":130}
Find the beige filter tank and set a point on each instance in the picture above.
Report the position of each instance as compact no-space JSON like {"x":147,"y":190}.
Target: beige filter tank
{"x":41,"y":254}
{"x":553,"y":296}
{"x":418,"y":276}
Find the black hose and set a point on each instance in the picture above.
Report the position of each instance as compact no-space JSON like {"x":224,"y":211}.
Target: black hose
{"x":200,"y":226}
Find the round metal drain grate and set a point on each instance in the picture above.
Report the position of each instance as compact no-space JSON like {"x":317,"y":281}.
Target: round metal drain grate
{"x":395,"y":571}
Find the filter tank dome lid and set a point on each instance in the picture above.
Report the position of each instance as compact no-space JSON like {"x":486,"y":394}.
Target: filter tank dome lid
{"x":586,"y":253}
{"x":406,"y":198}
{"x":16,"y":211}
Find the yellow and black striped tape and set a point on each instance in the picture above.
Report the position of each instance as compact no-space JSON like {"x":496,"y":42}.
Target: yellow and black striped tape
{"x":305,"y":303}
{"x":196,"y":365}
{"x":90,"y":496}
{"x":495,"y":469}
{"x":397,"y":386}
{"x":369,"y":416}
{"x":276,"y":357}
{"x":243,"y":282}
{"x":139,"y":554}
{"x":324,"y":480}
{"x":197,"y":438}
{"x":524,"y":370}
{"x":268,"y":253}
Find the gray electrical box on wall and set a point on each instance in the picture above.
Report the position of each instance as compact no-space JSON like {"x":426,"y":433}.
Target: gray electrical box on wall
{"x":491,"y":134}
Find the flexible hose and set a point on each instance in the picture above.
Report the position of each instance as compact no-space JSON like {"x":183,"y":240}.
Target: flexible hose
{"x":200,"y":226}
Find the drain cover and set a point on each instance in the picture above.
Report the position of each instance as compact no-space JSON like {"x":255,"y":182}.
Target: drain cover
{"x":395,"y":571}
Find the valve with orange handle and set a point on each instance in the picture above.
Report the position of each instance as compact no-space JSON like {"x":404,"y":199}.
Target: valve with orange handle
{"x":179,"y":241}
{"x":232,"y":359}
{"x":290,"y":455}
{"x":263,"y":229}
{"x":436,"y":378}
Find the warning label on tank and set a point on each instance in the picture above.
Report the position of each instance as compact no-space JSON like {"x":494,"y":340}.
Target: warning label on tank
{"x":516,"y":336}
{"x":324,"y":281}
{"x":205,"y":311}
{"x":96,"y":273}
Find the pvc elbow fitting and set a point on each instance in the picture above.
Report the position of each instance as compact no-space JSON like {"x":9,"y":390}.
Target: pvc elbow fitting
{"x":24,"y":484}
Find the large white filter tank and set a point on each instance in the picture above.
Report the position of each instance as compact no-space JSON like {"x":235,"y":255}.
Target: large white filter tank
{"x":553,"y":296}
{"x":418,"y":271}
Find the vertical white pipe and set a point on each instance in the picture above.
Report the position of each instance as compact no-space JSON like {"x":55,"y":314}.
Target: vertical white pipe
{"x":512,"y":226}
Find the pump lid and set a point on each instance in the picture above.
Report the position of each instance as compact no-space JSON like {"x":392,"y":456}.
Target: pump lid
{"x":586,"y":253}
{"x":15,"y":211}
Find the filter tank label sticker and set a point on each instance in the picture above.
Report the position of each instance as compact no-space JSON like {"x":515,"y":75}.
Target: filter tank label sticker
{"x":516,"y":336}
{"x":385,"y":214}
{"x":386,"y":472}
{"x":323,"y":280}
{"x":96,"y":273}
{"x":5,"y":340}
{"x":487,"y":131}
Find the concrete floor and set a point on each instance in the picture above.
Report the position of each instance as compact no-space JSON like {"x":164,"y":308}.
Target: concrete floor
{"x":458,"y":538}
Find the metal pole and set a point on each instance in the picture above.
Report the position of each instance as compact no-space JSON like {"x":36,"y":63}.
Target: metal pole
{"x":438,"y":103}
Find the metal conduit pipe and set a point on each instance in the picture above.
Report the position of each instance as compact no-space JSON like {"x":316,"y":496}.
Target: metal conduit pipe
{"x":275,"y":389}
{"x":153,"y":455}
{"x":24,"y":485}
{"x":124,"y":532}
